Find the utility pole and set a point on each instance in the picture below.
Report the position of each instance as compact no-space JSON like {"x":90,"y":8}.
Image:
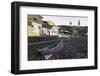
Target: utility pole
{"x":70,"y":23}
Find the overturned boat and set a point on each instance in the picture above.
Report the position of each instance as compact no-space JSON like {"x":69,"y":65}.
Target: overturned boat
{"x":54,"y":48}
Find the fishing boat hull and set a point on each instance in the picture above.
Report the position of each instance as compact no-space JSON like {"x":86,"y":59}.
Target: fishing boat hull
{"x":54,"y":48}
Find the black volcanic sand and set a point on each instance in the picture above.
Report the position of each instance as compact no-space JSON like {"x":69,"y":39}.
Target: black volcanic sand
{"x":74,"y":48}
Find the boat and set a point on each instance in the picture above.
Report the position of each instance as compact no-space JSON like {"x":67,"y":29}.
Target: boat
{"x":54,"y":48}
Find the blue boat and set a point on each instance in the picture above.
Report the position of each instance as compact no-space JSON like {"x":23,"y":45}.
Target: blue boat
{"x":54,"y":48}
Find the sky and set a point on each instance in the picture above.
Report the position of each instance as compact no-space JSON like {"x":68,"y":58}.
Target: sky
{"x":65,"y":20}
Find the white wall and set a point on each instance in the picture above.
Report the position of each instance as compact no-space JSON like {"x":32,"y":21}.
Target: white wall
{"x":5,"y":41}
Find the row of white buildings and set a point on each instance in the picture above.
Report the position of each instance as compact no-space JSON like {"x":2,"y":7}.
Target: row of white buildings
{"x":37,"y":27}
